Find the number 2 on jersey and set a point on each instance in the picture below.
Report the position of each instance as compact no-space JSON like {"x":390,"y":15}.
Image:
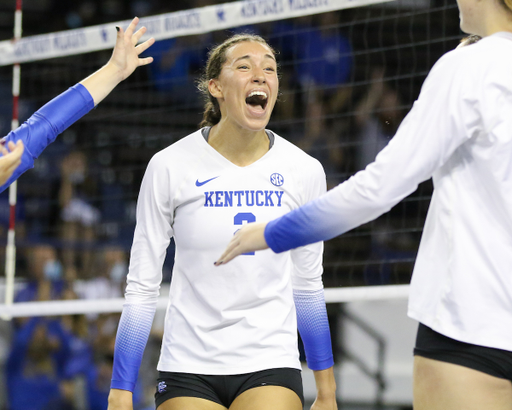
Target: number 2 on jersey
{"x":244,"y":217}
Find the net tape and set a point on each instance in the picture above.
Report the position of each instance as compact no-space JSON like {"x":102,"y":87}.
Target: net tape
{"x":90,"y":306}
{"x":169,"y":25}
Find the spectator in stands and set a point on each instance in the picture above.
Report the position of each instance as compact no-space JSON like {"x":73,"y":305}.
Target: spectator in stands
{"x":79,"y":216}
{"x":109,"y":276}
{"x":324,"y":64}
{"x":45,"y":275}
{"x":35,"y":365}
{"x":177,"y":62}
{"x":378,"y":115}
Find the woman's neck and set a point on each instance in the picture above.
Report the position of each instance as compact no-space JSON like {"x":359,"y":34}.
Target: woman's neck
{"x":497,"y":20}
{"x":241,"y":147}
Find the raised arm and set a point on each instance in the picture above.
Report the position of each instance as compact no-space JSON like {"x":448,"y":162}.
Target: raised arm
{"x":125,"y":59}
{"x":43,"y":126}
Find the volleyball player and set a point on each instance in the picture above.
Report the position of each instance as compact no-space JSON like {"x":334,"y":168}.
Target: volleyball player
{"x":230,"y":338}
{"x":460,"y":133}
{"x":28,"y":141}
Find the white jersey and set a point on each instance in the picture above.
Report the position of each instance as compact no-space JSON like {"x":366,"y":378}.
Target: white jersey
{"x":460,"y":132}
{"x":462,"y":280}
{"x":240,"y":317}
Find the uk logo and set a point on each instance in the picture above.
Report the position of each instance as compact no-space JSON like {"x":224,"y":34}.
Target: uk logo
{"x":104,"y":35}
{"x":277,"y":179}
{"x":220,"y":14}
{"x":161,"y":387}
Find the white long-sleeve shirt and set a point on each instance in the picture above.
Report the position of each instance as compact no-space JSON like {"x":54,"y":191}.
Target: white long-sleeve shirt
{"x":459,"y":132}
{"x":238,"y":318}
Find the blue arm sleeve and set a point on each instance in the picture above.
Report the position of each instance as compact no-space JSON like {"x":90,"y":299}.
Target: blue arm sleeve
{"x":44,"y":125}
{"x":297,"y":228}
{"x":132,"y":336}
{"x":314,"y":328}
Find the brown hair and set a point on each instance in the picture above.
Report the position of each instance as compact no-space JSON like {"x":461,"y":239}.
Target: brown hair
{"x":471,"y":39}
{"x":216,"y":59}
{"x":507,"y":4}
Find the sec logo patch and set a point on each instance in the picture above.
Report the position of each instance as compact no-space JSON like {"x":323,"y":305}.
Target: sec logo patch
{"x":277,"y":179}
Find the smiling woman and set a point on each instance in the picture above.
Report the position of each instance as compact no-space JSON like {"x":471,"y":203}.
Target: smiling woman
{"x":230,"y":337}
{"x":216,"y":61}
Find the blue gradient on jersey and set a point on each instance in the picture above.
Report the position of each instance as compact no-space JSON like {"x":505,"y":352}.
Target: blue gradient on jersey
{"x":314,"y":328}
{"x":44,"y":125}
{"x":132,"y":336}
{"x":302,"y":226}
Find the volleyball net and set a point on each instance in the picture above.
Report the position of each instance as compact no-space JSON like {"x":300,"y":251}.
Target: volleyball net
{"x":350,"y":70}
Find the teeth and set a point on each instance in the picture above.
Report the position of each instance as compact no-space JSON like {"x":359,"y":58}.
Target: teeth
{"x":263,"y":94}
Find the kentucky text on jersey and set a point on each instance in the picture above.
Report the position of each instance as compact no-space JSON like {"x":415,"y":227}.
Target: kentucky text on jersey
{"x":242,"y":198}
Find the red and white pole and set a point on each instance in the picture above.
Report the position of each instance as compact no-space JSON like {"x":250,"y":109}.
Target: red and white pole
{"x":10,"y":257}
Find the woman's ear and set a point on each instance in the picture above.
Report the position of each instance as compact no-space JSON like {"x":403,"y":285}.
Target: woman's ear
{"x":215,"y":88}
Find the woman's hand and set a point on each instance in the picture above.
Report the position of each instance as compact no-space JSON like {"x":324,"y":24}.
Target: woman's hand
{"x":250,"y":238}
{"x":9,"y":161}
{"x":125,"y":56}
{"x":325,"y":403}
{"x":125,"y":59}
{"x":326,"y":390}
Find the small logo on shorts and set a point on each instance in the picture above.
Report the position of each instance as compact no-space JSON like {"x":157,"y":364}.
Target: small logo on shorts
{"x":161,"y":387}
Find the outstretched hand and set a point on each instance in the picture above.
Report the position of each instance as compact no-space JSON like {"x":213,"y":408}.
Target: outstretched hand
{"x":250,"y":238}
{"x":9,"y":161}
{"x":125,"y":59}
{"x":125,"y":56}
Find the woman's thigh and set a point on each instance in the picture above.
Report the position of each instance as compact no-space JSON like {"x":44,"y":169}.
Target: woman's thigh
{"x":267,"y":397}
{"x":445,"y":386}
{"x":189,"y":403}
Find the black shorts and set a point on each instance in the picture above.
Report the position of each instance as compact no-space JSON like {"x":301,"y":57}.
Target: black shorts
{"x":436,"y":346}
{"x":224,"y":389}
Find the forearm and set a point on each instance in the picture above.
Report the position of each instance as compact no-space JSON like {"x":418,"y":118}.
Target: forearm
{"x":102,"y":82}
{"x":120,"y":400}
{"x":325,"y":383}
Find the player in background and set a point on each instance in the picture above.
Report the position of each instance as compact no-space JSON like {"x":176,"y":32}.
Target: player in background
{"x":459,"y":132}
{"x":230,"y":336}
{"x":28,"y":141}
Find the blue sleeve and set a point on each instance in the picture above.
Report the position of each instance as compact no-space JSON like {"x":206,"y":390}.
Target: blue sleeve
{"x":299,"y":227}
{"x":314,"y":328}
{"x":44,"y":125}
{"x":132,"y":336}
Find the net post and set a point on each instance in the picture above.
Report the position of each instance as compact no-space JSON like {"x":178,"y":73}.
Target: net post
{"x":10,"y":254}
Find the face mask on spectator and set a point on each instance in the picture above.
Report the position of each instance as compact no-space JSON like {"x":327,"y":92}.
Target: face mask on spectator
{"x":52,"y":270}
{"x":77,"y":177}
{"x":118,"y":272}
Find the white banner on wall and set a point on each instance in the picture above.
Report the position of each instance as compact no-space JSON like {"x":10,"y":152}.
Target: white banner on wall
{"x":164,"y":26}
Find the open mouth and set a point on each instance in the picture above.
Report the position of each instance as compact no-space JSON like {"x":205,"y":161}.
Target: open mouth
{"x":257,"y":99}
